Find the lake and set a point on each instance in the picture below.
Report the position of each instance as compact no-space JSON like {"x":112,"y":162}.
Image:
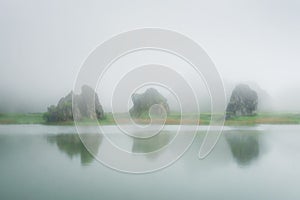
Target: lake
{"x":50,"y":162}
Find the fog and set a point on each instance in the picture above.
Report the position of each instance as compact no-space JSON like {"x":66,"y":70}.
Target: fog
{"x":44,"y":43}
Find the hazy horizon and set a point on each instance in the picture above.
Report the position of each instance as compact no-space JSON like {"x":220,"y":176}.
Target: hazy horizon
{"x":43,"y":44}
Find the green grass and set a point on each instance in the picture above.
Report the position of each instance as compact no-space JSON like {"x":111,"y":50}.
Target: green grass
{"x":18,"y":118}
{"x":173,"y":118}
{"x":266,"y":118}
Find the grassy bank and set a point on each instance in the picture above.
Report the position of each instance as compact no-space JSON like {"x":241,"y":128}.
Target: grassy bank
{"x":19,"y":118}
{"x":266,"y":118}
{"x":173,"y":118}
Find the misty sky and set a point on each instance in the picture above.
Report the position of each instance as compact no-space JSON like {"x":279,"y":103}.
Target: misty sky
{"x":44,"y":43}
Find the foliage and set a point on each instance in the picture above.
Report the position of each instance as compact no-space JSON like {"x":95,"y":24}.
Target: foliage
{"x":59,"y":113}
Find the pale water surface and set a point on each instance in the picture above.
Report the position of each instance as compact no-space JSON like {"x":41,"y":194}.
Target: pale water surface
{"x":50,"y":162}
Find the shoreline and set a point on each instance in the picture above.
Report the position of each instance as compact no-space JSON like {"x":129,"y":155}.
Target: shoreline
{"x":173,"y":119}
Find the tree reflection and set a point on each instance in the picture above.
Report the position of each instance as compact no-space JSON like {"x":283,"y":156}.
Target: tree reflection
{"x":73,"y":146}
{"x":244,"y":145}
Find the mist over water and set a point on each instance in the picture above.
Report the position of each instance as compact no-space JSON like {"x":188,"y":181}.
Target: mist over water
{"x":43,"y":45}
{"x":256,"y":161}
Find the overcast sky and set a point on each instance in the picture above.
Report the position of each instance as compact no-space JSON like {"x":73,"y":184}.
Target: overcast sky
{"x":44,"y":43}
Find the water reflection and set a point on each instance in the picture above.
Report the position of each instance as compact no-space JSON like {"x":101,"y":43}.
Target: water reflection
{"x":25,"y":157}
{"x":244,"y":145}
{"x":155,"y":143}
{"x":73,"y":146}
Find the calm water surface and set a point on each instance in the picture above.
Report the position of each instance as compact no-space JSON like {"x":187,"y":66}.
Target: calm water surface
{"x":50,"y":162}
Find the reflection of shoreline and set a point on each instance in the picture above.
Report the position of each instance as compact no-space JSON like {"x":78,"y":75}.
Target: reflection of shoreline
{"x":72,"y":145}
{"x":244,"y":145}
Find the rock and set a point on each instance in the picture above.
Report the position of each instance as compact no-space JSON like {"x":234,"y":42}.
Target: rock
{"x":64,"y":107}
{"x":143,"y":102}
{"x":265,"y":101}
{"x":243,"y":102}
{"x":85,"y":105}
